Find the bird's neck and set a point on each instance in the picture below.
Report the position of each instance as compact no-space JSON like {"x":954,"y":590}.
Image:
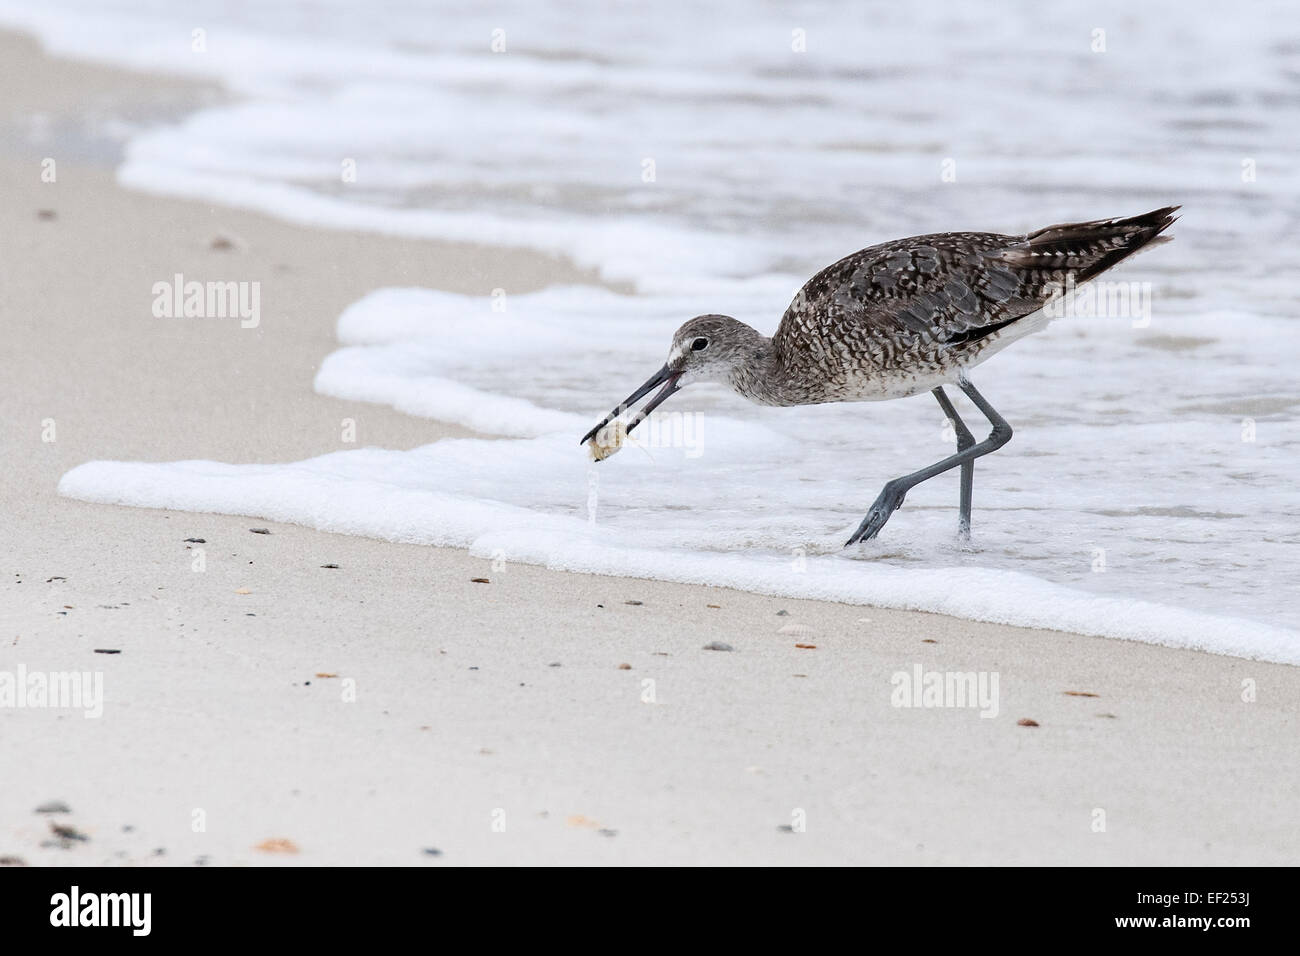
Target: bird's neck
{"x":759,"y":377}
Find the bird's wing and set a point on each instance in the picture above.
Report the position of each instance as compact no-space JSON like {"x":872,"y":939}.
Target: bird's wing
{"x":957,"y":287}
{"x":936,"y":287}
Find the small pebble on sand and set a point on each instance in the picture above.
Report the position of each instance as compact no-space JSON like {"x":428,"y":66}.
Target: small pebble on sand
{"x":67,"y":833}
{"x":718,"y":646}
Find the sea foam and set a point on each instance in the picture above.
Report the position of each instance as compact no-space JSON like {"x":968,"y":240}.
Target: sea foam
{"x":1073,"y":529}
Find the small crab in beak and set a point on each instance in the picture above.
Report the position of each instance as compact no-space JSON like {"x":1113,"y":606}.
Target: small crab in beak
{"x":610,"y":434}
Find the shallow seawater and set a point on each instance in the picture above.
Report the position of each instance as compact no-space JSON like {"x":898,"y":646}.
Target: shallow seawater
{"x":714,"y":160}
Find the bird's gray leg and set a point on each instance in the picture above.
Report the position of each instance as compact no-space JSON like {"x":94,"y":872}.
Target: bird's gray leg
{"x":894,"y":491}
{"x":964,"y":440}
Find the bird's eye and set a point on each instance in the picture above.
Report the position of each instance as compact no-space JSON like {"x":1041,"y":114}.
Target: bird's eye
{"x":699,"y":344}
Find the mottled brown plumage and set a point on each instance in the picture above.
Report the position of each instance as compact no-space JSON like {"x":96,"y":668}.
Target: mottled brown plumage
{"x":899,"y":318}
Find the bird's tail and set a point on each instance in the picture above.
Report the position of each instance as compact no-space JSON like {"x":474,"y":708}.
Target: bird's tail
{"x":1088,"y":249}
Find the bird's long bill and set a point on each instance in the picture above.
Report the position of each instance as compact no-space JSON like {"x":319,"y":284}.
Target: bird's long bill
{"x":665,"y":377}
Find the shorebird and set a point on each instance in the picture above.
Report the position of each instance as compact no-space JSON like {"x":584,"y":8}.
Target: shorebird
{"x":896,"y":320}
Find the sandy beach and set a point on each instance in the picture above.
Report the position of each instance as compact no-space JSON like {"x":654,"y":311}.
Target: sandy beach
{"x":319,"y":699}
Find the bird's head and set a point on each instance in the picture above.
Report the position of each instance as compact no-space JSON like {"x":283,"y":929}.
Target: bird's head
{"x":708,"y":348}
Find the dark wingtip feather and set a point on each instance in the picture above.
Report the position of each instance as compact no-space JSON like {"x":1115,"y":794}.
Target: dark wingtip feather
{"x":1158,"y":219}
{"x":1087,"y":249}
